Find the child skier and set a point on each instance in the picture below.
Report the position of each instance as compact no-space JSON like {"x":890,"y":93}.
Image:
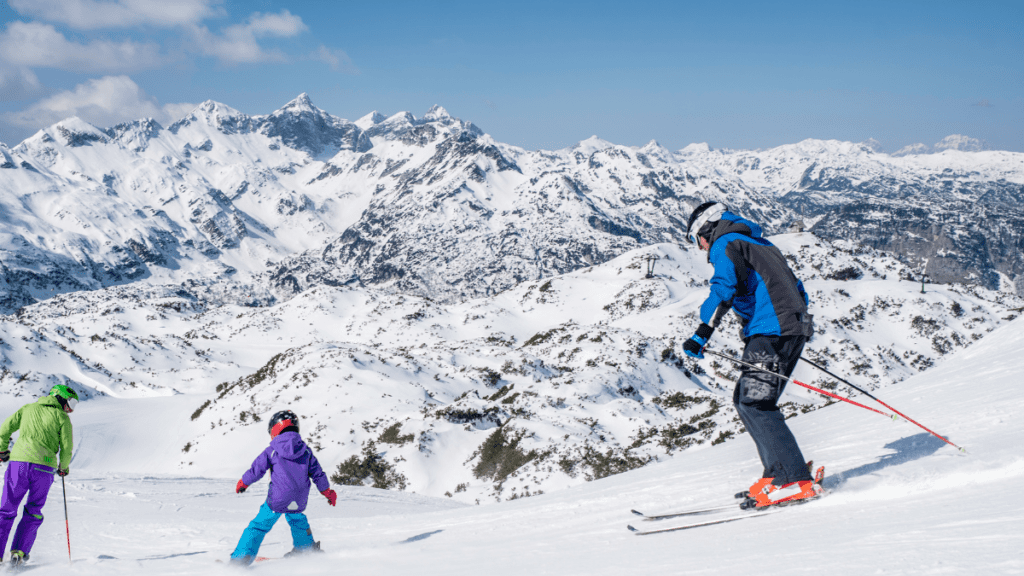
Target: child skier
{"x":45,"y":429}
{"x":291,"y":465}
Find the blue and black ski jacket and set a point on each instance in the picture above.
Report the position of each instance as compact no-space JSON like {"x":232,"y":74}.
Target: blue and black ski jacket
{"x":752,"y":274}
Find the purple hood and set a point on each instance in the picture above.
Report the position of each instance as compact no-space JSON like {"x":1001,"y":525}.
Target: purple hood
{"x":291,"y":464}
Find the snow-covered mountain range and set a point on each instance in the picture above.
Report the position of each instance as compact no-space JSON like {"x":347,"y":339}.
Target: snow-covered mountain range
{"x":457,"y":316}
{"x":435,"y":207}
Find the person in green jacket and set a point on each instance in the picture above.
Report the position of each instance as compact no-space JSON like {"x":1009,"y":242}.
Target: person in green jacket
{"x":44,"y":430}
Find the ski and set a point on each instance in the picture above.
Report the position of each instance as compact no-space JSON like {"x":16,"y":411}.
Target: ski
{"x":691,"y":512}
{"x":751,"y":514}
{"x":818,"y":477}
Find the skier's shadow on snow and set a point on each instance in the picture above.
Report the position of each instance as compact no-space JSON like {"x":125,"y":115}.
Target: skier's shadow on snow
{"x":906,"y":450}
{"x":419,"y":537}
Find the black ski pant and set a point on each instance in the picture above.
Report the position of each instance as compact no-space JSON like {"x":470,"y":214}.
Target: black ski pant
{"x":756,"y":399}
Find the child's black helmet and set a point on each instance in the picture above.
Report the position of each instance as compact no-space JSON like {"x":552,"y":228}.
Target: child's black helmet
{"x":283,"y":421}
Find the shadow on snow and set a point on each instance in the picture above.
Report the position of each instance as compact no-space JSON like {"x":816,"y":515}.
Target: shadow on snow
{"x":906,"y":450}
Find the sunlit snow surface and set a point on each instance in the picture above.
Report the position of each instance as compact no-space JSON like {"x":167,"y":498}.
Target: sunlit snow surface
{"x":901,"y":502}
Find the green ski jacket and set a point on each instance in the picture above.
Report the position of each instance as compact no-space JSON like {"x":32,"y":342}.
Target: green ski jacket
{"x":45,"y":428}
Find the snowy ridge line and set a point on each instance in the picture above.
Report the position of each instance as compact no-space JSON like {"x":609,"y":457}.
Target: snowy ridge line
{"x":432,"y":206}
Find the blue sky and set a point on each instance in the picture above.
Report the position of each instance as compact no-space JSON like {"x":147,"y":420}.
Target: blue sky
{"x":535,"y":74}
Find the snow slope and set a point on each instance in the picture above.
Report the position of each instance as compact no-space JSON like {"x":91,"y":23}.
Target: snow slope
{"x":901,"y":502}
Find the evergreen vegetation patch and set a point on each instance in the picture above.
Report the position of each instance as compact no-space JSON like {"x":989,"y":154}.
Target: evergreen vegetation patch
{"x":370,"y":466}
{"x":500,"y":455}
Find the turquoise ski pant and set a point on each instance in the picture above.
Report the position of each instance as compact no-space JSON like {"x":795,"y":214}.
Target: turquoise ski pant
{"x":252,"y":537}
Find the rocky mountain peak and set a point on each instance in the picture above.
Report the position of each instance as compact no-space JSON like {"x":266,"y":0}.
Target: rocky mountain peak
{"x":591,"y":145}
{"x":301,"y":103}
{"x":6,"y":159}
{"x":215,"y":115}
{"x":872,"y":145}
{"x":370,"y":119}
{"x":696,"y":149}
{"x":912,"y":149}
{"x":302,"y":126}
{"x":957,"y":142}
{"x":961,"y":143}
{"x":437,"y":113}
{"x":400,"y":118}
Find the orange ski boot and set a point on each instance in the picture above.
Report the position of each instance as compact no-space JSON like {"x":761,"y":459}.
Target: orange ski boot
{"x":767,"y":494}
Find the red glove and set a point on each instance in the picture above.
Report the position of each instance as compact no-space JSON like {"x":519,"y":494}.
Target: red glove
{"x":240,"y":487}
{"x":332,"y":496}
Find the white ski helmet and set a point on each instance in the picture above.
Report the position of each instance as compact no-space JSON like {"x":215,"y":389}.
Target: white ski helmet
{"x":706,"y":212}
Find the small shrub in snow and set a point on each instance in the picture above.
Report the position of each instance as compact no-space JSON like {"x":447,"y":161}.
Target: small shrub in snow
{"x":392,"y":435}
{"x":199,"y":411}
{"x":848,"y":273}
{"x":604,"y":464}
{"x":369,"y":466}
{"x":500,"y":455}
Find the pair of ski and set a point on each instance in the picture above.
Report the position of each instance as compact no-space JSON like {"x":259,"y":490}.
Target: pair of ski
{"x":742,"y":515}
{"x":745,"y":511}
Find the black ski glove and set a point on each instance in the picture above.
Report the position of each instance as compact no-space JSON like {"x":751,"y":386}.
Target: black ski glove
{"x":5,"y":456}
{"x":694,"y":347}
{"x":63,"y":471}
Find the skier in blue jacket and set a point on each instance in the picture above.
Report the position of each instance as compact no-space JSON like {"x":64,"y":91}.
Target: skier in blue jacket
{"x":291,"y":464}
{"x":753,"y":278}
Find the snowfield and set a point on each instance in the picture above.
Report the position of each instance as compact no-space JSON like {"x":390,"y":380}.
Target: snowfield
{"x":901,"y":501}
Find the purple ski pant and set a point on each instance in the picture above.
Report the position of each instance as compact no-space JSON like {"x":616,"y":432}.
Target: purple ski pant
{"x":23,"y":478}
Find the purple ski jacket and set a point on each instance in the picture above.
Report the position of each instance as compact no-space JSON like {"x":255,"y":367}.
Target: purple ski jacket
{"x":291,"y":464}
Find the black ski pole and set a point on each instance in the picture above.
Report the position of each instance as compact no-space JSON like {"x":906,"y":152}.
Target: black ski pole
{"x":67,"y":527}
{"x":857,"y":388}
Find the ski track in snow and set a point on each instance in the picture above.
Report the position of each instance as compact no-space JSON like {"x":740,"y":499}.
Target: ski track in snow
{"x":901,"y":502}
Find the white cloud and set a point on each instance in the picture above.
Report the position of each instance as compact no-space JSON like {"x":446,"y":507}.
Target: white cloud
{"x":93,"y":14}
{"x":41,"y":45}
{"x":238,"y":44}
{"x":338,"y":60}
{"x":174,"y":112}
{"x":282,"y":25}
{"x":104,"y":102}
{"x":17,"y":83}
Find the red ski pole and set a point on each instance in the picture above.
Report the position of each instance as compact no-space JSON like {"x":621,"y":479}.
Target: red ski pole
{"x":904,"y":416}
{"x":67,"y":526}
{"x":797,"y":382}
